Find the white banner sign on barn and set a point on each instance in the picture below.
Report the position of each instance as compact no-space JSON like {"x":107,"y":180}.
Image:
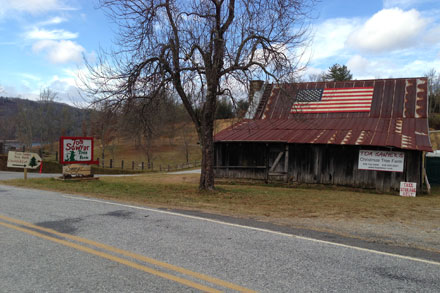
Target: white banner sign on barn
{"x":381,"y":160}
{"x":408,"y":189}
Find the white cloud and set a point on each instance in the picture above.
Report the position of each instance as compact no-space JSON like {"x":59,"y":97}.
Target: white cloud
{"x":387,"y":30}
{"x":30,"y":76}
{"x":8,"y":7}
{"x":56,"y":34}
{"x":60,"y":51}
{"x":53,"y":20}
{"x":404,"y":3}
{"x":358,"y":64}
{"x":433,"y":35}
{"x":330,"y":36}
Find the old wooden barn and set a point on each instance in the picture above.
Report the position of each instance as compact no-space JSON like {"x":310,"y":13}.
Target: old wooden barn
{"x":360,"y":133}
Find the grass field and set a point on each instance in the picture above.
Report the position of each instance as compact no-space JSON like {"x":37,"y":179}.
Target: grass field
{"x":250,"y":200}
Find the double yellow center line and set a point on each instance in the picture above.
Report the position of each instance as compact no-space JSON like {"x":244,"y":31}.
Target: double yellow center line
{"x":78,"y":243}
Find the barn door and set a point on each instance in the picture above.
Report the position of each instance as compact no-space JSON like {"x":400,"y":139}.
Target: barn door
{"x":278,"y":163}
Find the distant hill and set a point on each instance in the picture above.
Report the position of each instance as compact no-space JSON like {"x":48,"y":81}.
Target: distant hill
{"x":59,"y":116}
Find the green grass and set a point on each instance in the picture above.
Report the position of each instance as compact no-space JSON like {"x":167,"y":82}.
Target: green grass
{"x":249,"y":200}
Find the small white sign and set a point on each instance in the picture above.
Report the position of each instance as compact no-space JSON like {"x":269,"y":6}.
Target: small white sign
{"x":381,"y":160}
{"x":408,"y":189}
{"x":23,"y":160}
{"x":77,"y":149}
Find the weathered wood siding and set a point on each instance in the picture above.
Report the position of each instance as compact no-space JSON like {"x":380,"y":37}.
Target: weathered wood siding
{"x":308,"y":163}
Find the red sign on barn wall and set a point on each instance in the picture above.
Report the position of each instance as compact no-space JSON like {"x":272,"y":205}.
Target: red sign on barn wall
{"x":76,"y":150}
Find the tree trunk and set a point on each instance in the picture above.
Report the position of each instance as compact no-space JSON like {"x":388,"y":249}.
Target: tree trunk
{"x":207,"y":141}
{"x":207,"y":170}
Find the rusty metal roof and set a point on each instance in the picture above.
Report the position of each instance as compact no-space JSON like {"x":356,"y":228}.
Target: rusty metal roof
{"x":397,"y":118}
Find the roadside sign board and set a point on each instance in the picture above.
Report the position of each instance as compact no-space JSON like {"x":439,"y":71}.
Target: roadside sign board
{"x":23,"y":160}
{"x":76,"y":150}
{"x":77,"y":170}
{"x":381,"y":160}
{"x":408,"y":189}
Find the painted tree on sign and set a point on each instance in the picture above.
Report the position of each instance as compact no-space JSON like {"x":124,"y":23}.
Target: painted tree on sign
{"x":72,"y":156}
{"x":33,"y":162}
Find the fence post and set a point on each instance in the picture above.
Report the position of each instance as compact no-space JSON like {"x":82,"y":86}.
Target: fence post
{"x":111,"y":163}
{"x":102,"y":163}
{"x":132,"y":165}
{"x":56,"y":156}
{"x":142,"y":166}
{"x":122,"y":164}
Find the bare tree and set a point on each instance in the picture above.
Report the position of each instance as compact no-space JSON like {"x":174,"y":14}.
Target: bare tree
{"x":199,"y":50}
{"x":46,"y":123}
{"x":103,"y":121}
{"x":433,"y":90}
{"x":25,"y":125}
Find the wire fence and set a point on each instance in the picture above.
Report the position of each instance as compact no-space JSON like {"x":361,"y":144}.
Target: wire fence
{"x":145,"y":166}
{"x":128,"y":165}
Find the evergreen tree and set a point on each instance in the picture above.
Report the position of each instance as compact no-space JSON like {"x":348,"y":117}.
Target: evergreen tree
{"x":338,"y":73}
{"x":72,"y":156}
{"x":33,"y":162}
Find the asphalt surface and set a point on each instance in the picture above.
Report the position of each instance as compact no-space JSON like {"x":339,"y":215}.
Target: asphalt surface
{"x":54,"y":242}
{"x":5,"y":175}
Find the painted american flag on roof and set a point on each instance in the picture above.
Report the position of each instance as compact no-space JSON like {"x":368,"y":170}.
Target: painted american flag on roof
{"x":333,"y":100}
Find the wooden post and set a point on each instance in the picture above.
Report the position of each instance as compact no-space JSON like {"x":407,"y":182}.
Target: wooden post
{"x":267,"y":162}
{"x":286,"y":164}
{"x":122,"y":164}
{"x":132,"y":165}
{"x":142,"y":166}
{"x":111,"y":163}
{"x":25,"y":173}
{"x":227,"y":160}
{"x":56,"y":156}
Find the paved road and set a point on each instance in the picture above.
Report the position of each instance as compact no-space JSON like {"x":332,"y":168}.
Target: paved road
{"x":53,"y":242}
{"x":194,"y":171}
{"x":6,"y":175}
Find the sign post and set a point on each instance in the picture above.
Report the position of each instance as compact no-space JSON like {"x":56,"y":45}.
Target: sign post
{"x":23,"y":160}
{"x":76,"y":156}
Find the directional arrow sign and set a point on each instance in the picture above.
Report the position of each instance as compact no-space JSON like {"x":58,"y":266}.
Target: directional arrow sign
{"x":23,"y":160}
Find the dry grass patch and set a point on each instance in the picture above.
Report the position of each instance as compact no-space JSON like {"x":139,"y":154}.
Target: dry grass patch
{"x":251,"y":200}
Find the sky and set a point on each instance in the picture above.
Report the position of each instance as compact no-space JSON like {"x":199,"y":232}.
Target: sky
{"x":43,"y":43}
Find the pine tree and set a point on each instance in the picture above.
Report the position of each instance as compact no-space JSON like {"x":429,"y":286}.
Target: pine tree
{"x":338,"y":73}
{"x":33,"y":162}
{"x":72,"y":156}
